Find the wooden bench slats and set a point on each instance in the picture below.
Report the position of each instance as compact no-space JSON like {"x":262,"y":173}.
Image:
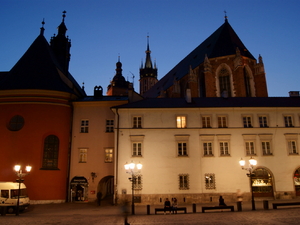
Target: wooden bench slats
{"x":217,"y":207}
{"x":275,"y":205}
{"x":171,"y":209}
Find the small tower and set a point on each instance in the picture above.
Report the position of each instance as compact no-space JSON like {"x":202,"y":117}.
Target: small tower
{"x":61,"y":45}
{"x":148,"y":73}
{"x":118,"y":86}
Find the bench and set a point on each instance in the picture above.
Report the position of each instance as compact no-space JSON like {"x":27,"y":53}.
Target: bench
{"x":171,"y":210}
{"x":231,"y":207}
{"x":275,"y":205}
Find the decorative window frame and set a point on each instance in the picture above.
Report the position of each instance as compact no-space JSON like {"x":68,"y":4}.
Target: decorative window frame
{"x":218,"y":71}
{"x":180,"y":139}
{"x":266,"y":138}
{"x":184,"y":181}
{"x":292,"y":139}
{"x":83,"y":155}
{"x":138,"y":182}
{"x":248,"y":139}
{"x":181,"y":121}
{"x":210,"y":181}
{"x":224,"y":138}
{"x":207,"y":138}
{"x":137,"y":139}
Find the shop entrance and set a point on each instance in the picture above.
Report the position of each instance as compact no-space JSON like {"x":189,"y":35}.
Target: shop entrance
{"x":297,"y":181}
{"x":262,"y":183}
{"x":79,"y":189}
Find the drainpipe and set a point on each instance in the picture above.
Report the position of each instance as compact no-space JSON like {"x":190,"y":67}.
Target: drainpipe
{"x":117,"y":159}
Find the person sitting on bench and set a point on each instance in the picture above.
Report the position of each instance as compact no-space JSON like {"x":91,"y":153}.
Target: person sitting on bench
{"x":167,"y":206}
{"x":221,"y":201}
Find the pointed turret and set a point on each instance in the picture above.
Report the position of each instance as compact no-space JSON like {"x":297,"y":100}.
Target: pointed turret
{"x":148,"y":73}
{"x":61,"y":45}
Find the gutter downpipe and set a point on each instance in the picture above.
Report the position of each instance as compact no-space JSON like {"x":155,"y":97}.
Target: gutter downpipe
{"x":117,"y":160}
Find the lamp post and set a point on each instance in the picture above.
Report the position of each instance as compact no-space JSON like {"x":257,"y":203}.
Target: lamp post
{"x":132,"y":169}
{"x":252,"y":163}
{"x":20,"y":174}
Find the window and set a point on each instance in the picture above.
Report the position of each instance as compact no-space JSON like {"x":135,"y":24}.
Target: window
{"x":292,"y":147}
{"x":181,"y":121}
{"x":210,"y":181}
{"x":16,"y":123}
{"x":247,"y":121}
{"x":224,"y":148}
{"x":207,"y":149}
{"x":4,"y":193}
{"x":109,"y":126}
{"x":224,"y":82}
{"x":137,"y":182}
{"x":250,"y":150}
{"x":266,"y":148}
{"x":288,"y":121}
{"x":137,"y":122}
{"x":137,"y":149}
{"x":50,"y":157}
{"x":222,"y":122}
{"x":206,"y":122}
{"x":263,"y":122}
{"x":83,"y":155}
{"x":108,"y":155}
{"x":182,"y":148}
{"x":84,"y":127}
{"x":183,"y":181}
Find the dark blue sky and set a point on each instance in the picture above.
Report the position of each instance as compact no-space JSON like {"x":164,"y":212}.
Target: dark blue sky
{"x":102,"y":30}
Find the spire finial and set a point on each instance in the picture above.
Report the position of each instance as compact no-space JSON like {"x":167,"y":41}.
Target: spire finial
{"x":42,"y":28}
{"x":225,"y":15}
{"x":64,"y":15}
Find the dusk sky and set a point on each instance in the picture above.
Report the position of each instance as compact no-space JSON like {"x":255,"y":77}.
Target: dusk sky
{"x":102,"y":30}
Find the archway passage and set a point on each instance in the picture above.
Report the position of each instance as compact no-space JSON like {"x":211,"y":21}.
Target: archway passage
{"x":297,"y":181}
{"x":106,"y":187}
{"x":262,"y":183}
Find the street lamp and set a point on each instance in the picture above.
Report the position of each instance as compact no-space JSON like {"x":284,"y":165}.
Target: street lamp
{"x":133,"y":169}
{"x":20,"y":174}
{"x":252,"y":163}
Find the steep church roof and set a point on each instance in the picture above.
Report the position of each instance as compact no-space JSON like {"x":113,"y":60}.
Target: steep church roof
{"x":38,"y":69}
{"x":224,"y":41}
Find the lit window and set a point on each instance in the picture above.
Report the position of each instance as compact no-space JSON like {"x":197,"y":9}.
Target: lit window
{"x":109,"y":126}
{"x":108,"y":155}
{"x":222,"y":122}
{"x":224,"y":148}
{"x":263,"y":122}
{"x":181,"y":121}
{"x":207,"y":149}
{"x":247,"y":121}
{"x":288,"y":121}
{"x":84,"y":127}
{"x":83,"y":155}
{"x":183,"y":181}
{"x":136,"y":149}
{"x":210,"y":181}
{"x":206,"y":122}
{"x":250,"y":150}
{"x":182,"y":148}
{"x":137,"y":122}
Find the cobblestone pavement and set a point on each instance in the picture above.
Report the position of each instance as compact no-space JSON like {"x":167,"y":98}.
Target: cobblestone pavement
{"x":89,"y":213}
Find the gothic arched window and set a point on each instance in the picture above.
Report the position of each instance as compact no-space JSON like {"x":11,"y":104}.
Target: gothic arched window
{"x":247,"y":83}
{"x":50,"y":157}
{"x":224,"y":83}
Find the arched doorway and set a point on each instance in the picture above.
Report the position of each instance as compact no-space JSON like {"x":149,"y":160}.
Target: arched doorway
{"x":297,"y":181}
{"x":262,"y":183}
{"x":106,"y":187}
{"x":79,"y":189}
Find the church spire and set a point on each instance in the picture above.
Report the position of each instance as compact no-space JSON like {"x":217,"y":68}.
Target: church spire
{"x":61,"y":45}
{"x":42,"y":28}
{"x":148,"y":62}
